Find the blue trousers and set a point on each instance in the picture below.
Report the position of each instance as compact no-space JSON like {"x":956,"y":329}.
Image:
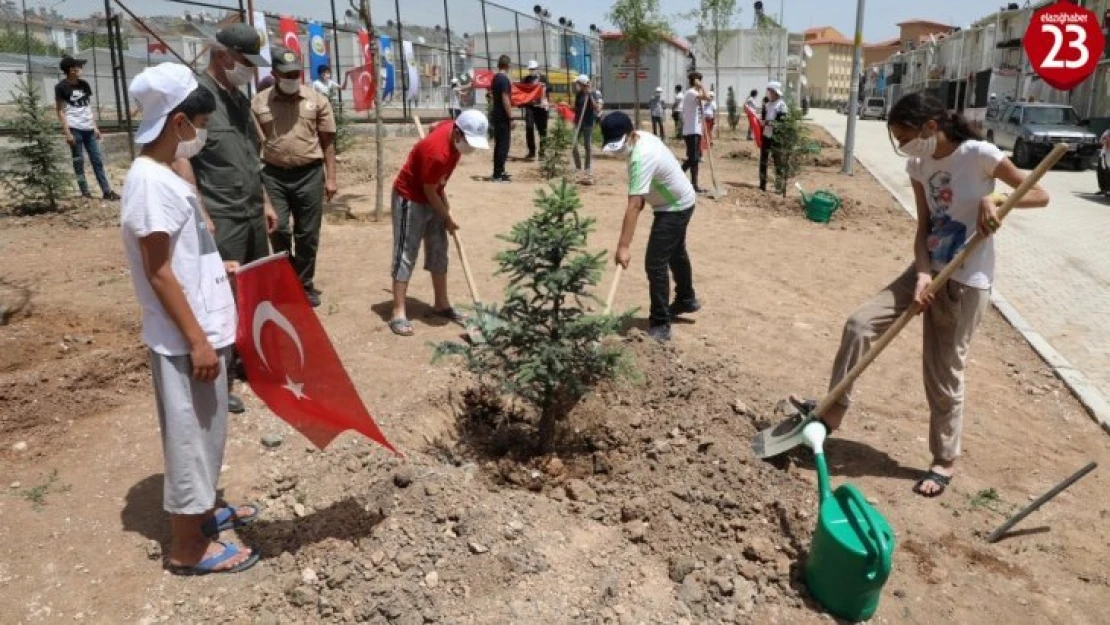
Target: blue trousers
{"x":85,"y":141}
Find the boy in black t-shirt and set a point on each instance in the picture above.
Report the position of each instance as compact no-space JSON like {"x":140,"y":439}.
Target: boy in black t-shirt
{"x":72,"y":98}
{"x":500,"y":119}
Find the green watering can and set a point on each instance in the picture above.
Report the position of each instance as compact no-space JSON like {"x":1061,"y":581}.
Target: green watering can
{"x":850,"y":557}
{"x":820,"y":206}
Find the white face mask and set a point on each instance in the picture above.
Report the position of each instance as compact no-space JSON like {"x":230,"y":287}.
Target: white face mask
{"x":289,"y":86}
{"x":920,"y":148}
{"x":188,"y":148}
{"x":463,"y":147}
{"x":240,"y":74}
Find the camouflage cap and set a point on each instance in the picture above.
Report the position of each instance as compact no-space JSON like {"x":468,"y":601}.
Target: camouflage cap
{"x":285,"y":60}
{"x":244,"y":39}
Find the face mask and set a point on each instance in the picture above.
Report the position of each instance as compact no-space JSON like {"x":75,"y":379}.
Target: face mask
{"x":463,"y":147}
{"x":191,"y":147}
{"x":289,"y":86}
{"x":920,"y":148}
{"x":240,"y":74}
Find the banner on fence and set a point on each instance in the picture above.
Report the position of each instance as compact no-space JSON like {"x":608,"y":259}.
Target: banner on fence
{"x":260,"y":26}
{"x":318,"y":49}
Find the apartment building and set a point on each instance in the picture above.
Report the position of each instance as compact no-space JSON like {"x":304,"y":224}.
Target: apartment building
{"x":829,"y":70}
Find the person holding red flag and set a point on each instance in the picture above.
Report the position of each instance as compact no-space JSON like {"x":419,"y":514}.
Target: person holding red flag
{"x":189,"y":318}
{"x":422,"y":214}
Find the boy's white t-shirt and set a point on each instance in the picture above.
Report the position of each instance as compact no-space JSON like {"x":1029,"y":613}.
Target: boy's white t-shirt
{"x":155,"y":199}
{"x":691,"y":113}
{"x":954,"y":187}
{"x":773,"y":111}
{"x":654,"y":172}
{"x":710,"y":109}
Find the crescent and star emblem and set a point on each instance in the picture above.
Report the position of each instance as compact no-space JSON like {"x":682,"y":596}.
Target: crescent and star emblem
{"x":264,"y":312}
{"x":291,"y":41}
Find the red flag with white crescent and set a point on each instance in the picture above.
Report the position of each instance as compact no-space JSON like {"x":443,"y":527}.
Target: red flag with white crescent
{"x":523,"y":94}
{"x":290,"y":37}
{"x":367,"y":53}
{"x":483,"y":79}
{"x":290,"y":362}
{"x":757,"y":128}
{"x":565,"y":111}
{"x":362,"y":83}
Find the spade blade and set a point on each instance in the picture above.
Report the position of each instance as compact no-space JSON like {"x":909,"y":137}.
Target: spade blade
{"x":781,"y":438}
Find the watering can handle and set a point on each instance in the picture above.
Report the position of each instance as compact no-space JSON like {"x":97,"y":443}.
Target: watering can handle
{"x":873,"y":531}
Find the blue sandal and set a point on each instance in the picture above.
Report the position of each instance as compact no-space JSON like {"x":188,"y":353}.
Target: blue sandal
{"x":225,"y":519}
{"x":208,"y":565}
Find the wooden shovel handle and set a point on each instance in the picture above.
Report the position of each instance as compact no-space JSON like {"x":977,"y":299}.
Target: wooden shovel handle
{"x":613,"y":289}
{"x":466,"y":268}
{"x":973,"y":244}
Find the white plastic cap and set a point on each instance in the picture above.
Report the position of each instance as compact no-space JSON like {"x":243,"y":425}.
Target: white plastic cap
{"x":475,"y":127}
{"x":158,"y":91}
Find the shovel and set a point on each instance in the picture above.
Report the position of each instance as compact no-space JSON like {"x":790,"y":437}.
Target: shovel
{"x":613,"y":289}
{"x":788,"y":434}
{"x":716,"y":192}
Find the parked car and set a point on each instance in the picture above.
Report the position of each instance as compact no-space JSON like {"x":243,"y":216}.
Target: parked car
{"x":873,"y":108}
{"x":1032,"y":129}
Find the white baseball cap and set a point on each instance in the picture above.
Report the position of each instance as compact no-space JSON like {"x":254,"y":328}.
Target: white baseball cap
{"x":582,"y":79}
{"x":475,"y":128}
{"x":454,"y":81}
{"x":775,"y":86}
{"x":158,"y":91}
{"x":533,"y":65}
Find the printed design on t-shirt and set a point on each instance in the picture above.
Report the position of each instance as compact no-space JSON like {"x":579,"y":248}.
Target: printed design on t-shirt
{"x":946,"y":235}
{"x":79,"y":98}
{"x":204,"y":237}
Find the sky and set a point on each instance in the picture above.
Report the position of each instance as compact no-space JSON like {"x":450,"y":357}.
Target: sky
{"x":880,"y":16}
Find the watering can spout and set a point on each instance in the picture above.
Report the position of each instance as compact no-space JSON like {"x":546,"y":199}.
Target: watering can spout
{"x":814,"y":435}
{"x":801,"y":191}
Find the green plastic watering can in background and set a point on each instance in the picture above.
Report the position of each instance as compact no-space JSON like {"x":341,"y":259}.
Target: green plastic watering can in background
{"x":820,"y":206}
{"x":850,"y":556}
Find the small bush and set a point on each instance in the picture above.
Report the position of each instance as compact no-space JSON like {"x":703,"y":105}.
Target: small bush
{"x":793,"y":142}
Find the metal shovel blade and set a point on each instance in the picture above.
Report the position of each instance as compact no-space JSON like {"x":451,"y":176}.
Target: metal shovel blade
{"x":783,"y":437}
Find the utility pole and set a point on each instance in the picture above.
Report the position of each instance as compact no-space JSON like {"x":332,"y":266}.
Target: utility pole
{"x":853,"y":103}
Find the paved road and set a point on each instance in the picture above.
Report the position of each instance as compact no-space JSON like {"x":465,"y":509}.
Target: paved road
{"x":1054,"y":264}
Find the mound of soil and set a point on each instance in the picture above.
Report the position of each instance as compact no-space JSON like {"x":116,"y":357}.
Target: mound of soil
{"x":351,"y":536}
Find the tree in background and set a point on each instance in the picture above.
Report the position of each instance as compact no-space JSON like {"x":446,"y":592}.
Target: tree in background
{"x":715,"y":30}
{"x":733,"y":109}
{"x":555,"y":147}
{"x":792,"y":142}
{"x":39,"y":180}
{"x":362,"y":9}
{"x":542,"y":345}
{"x":641,"y":26}
{"x":768,"y":42}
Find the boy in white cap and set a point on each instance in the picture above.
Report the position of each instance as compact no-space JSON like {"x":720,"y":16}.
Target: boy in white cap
{"x":422,"y":214}
{"x":189,"y":318}
{"x":656,"y":179}
{"x":774,"y":110}
{"x":655,"y":105}
{"x":535,"y":113}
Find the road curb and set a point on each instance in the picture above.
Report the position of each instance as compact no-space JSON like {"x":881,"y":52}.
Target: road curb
{"x":1087,"y":394}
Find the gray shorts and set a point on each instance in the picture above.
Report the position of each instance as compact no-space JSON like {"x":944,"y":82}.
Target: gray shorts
{"x":414,"y":223}
{"x":193,"y":419}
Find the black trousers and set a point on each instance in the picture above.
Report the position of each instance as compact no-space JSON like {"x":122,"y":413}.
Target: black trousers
{"x":1103,"y":177}
{"x":768,"y":152}
{"x":657,"y":127}
{"x":677,"y":117}
{"x":693,"y":155}
{"x":666,"y":257}
{"x":502,"y":136}
{"x":297,"y":195}
{"x":535,"y":121}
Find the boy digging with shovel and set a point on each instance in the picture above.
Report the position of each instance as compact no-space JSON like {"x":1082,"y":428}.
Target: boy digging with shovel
{"x":422,"y":214}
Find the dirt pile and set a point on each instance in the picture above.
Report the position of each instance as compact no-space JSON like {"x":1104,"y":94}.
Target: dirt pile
{"x":659,"y":468}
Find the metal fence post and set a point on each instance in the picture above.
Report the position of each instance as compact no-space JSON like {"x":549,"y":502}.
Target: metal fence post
{"x":853,"y":102}
{"x":96,"y":75}
{"x":450,"y":53}
{"x":112,"y":50}
{"x":335,"y":47}
{"x":485,"y":32}
{"x":404,"y":62}
{"x":519,"y":54}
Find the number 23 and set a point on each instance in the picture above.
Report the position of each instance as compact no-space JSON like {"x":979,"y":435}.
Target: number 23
{"x":1079,"y":43}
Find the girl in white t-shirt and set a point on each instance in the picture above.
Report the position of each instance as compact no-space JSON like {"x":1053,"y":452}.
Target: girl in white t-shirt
{"x":953,"y":174}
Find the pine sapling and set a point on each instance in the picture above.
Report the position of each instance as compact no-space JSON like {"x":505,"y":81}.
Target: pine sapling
{"x":792,"y":141}
{"x":555,"y":147}
{"x":542,"y":345}
{"x":39,"y":180}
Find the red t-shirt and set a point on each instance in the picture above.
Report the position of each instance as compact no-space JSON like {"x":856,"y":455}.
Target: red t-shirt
{"x":432,"y":161}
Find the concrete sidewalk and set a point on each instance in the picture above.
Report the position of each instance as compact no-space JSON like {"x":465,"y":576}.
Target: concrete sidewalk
{"x":1053,"y":265}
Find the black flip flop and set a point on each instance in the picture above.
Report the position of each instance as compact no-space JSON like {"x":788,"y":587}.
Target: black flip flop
{"x":932,"y":476}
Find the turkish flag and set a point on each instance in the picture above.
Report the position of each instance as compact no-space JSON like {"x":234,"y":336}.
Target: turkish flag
{"x":364,"y":43}
{"x":363,"y":84}
{"x":290,"y":38}
{"x":290,"y":363}
{"x":757,"y":129}
{"x":565,"y":111}
{"x":483,"y":79}
{"x":523,"y":94}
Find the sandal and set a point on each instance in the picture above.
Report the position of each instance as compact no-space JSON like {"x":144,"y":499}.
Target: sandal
{"x":226,"y":519}
{"x":451,"y":314}
{"x":401,"y":327}
{"x":209,"y":564}
{"x":937,"y":478}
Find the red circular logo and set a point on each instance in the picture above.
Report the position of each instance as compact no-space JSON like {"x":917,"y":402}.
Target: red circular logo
{"x":1064,"y":43}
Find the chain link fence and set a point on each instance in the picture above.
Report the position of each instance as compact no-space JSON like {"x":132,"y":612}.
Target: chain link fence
{"x":426,"y":43}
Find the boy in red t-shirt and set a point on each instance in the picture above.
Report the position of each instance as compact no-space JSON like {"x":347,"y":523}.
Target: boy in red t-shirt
{"x":421,"y":212}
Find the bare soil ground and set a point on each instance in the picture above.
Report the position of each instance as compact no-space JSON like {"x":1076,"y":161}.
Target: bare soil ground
{"x":658,"y":515}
